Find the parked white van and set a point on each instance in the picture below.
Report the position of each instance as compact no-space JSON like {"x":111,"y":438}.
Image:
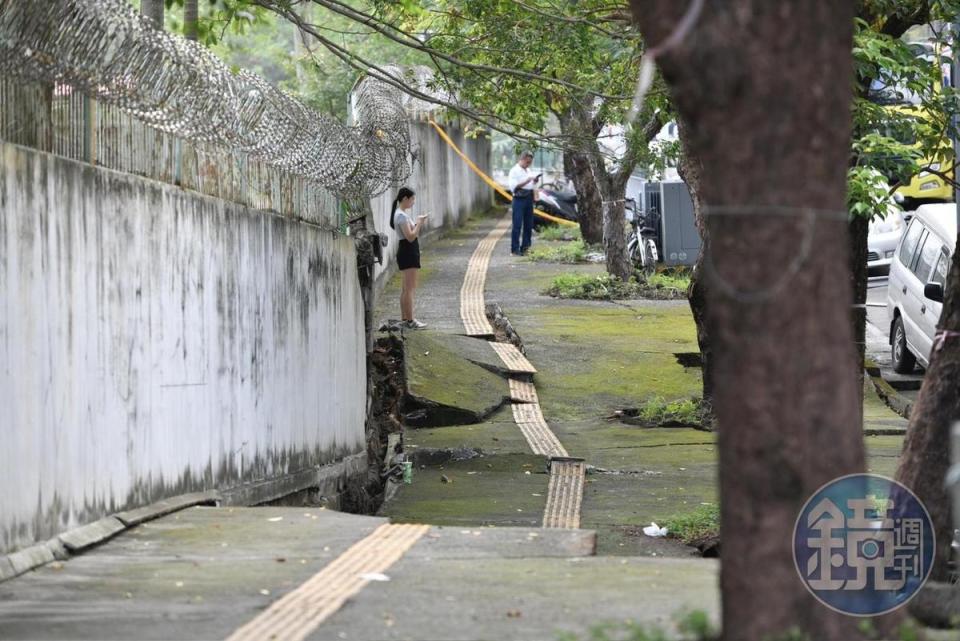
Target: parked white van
{"x":918,"y":272}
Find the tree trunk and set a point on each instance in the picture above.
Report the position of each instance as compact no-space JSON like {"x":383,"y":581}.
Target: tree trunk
{"x":191,"y":20}
{"x":925,"y":458}
{"x":612,"y":187}
{"x":785,"y":392}
{"x":859,"y":227}
{"x":589,"y":202}
{"x":576,"y":123}
{"x":615,"y":233}
{"x":691,"y":172}
{"x":153,"y":9}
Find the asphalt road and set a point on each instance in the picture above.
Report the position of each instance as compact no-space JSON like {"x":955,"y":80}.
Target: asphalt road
{"x":878,"y":321}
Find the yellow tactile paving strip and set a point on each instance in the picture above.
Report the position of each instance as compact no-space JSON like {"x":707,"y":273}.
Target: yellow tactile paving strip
{"x":564,"y":495}
{"x":523,"y":392}
{"x":297,"y":614}
{"x":472,"y":303}
{"x":565,"y":491}
{"x":541,"y":438}
{"x":513,"y":358}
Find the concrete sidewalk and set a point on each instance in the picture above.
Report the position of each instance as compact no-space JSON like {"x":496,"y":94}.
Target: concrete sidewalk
{"x":485,"y":568}
{"x":206,"y":572}
{"x":203,"y":572}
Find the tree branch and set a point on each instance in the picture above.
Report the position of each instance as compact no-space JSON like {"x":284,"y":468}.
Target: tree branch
{"x":408,"y":40}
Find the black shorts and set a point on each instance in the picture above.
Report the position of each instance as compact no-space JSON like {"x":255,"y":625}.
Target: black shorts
{"x":408,"y":254}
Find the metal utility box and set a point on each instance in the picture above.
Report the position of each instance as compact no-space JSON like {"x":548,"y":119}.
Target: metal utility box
{"x":679,"y":240}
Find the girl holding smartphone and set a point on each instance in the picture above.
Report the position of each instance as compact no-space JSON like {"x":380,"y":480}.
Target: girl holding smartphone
{"x":408,"y":252}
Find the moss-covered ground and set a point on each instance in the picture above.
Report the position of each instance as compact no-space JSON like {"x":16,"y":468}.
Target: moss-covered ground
{"x":436,"y":373}
{"x":593,"y":358}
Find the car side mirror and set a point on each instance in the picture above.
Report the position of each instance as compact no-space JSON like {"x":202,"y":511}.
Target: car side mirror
{"x":933,"y":291}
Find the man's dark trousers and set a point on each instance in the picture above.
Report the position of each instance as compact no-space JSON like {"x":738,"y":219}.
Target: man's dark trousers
{"x":522,"y":218}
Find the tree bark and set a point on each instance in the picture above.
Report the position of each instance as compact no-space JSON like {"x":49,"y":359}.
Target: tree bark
{"x":785,"y":392}
{"x":577,"y":165}
{"x":589,"y":202}
{"x":859,"y":227}
{"x":691,"y":172}
{"x":153,"y":9}
{"x":191,"y":20}
{"x":926,"y":453}
{"x":612,"y":190}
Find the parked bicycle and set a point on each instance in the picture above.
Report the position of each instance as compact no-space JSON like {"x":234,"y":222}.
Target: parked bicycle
{"x":642,"y":244}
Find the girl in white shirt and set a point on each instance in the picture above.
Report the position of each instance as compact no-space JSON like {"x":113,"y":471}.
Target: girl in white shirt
{"x":408,"y":252}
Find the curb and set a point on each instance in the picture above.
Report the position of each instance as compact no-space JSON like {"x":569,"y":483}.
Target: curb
{"x":77,"y":540}
{"x":893,"y":399}
{"x":328,"y":478}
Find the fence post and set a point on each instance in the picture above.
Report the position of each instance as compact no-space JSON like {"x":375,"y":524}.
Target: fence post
{"x":89,"y":130}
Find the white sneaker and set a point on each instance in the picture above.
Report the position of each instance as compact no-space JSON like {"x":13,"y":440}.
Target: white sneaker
{"x":415,"y":324}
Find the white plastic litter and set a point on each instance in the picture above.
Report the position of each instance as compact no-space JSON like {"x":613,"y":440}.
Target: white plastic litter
{"x":655,"y":530}
{"x":374,"y":576}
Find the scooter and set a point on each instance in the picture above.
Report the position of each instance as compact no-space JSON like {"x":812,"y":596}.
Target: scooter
{"x":562,"y":204}
{"x":642,"y":244}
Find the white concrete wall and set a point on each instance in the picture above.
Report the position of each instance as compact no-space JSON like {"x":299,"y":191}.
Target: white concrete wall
{"x":447,"y":189}
{"x":154,"y":342}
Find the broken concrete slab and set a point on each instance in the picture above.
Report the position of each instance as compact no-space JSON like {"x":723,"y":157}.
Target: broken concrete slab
{"x":502,"y":543}
{"x":166,"y":506}
{"x":507,"y":490}
{"x":444,"y":387}
{"x":6,"y":569}
{"x":30,"y":558}
{"x":92,"y":534}
{"x":196,"y":574}
{"x":535,"y":598}
{"x":479,"y":351}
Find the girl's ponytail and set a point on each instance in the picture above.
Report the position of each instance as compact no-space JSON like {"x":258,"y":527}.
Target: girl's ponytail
{"x":393,"y":211}
{"x":403,"y":194}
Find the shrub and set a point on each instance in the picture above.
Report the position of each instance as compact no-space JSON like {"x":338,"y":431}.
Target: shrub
{"x":693,"y":526}
{"x":679,"y":281}
{"x":588,"y":287}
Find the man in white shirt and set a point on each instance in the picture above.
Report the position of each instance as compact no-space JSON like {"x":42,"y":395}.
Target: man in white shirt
{"x":522,"y":184}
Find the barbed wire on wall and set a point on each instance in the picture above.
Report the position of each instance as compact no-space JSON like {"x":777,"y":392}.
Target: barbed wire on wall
{"x":107,"y":50}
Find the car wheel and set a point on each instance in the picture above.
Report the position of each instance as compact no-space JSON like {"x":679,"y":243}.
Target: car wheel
{"x":904,"y":361}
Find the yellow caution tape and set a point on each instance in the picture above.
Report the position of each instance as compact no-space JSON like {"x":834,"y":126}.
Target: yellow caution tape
{"x":490,"y":181}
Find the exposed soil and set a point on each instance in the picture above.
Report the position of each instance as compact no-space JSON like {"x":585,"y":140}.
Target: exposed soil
{"x":503,"y":328}
{"x":387,"y":387}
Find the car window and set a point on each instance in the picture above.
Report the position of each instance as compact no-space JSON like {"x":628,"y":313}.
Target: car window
{"x":939,"y":274}
{"x":909,"y":243}
{"x":927,"y":256}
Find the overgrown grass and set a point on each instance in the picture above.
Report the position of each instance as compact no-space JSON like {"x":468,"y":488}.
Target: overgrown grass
{"x":694,"y":626}
{"x":657,"y":412}
{"x":588,"y":287}
{"x":678,"y":280}
{"x":693,"y":526}
{"x":572,"y":252}
{"x":559,"y":232}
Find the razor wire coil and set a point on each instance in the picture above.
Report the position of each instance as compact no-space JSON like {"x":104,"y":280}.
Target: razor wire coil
{"x":108,"y":51}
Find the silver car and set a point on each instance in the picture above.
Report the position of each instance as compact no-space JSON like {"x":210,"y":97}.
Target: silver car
{"x":882,"y":239}
{"x":918,"y":275}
